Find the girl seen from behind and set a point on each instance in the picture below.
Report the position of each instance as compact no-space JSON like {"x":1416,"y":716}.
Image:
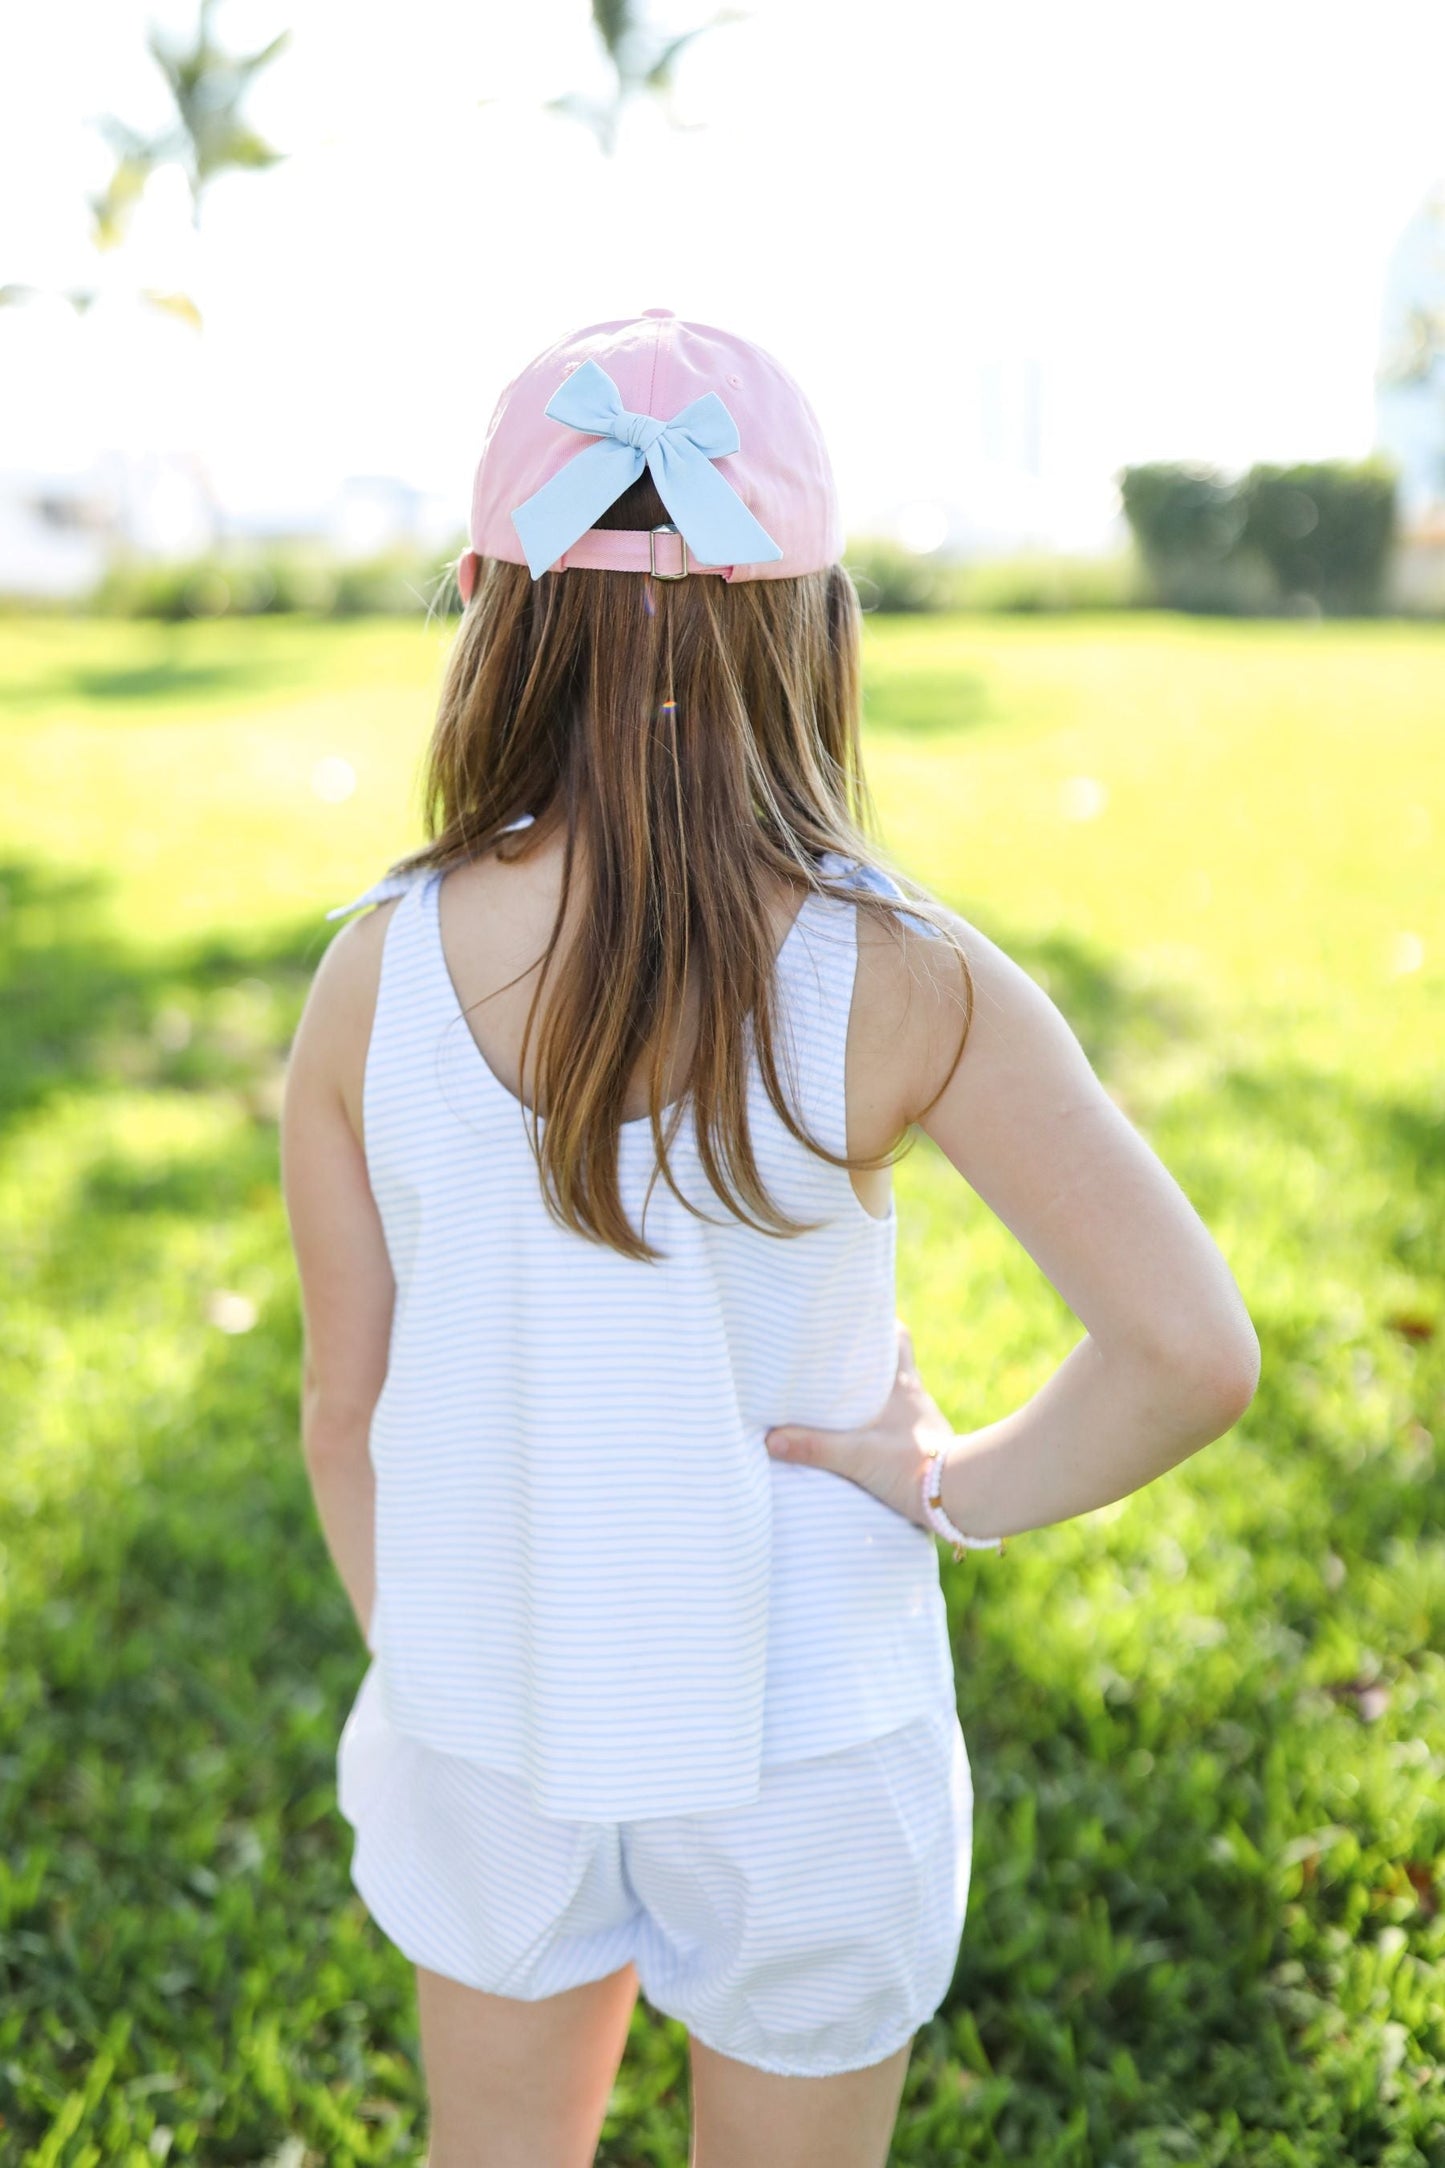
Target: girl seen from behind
{"x":615,"y":1439}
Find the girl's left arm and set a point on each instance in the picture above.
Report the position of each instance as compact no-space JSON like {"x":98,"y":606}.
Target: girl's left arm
{"x":347,"y":1289}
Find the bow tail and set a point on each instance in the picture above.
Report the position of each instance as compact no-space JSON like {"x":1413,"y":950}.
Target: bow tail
{"x":554,"y":516}
{"x":714,"y":522}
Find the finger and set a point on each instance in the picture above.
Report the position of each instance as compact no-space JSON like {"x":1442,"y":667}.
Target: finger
{"x":809,"y":1448}
{"x":906,"y":1362}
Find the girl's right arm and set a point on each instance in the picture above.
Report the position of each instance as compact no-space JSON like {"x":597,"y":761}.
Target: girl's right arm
{"x":1170,"y":1359}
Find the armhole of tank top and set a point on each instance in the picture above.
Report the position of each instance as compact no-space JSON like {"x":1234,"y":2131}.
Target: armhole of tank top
{"x":847,"y":995}
{"x":850,"y":983}
{"x":867,"y":877}
{"x":842,"y":992}
{"x":827,"y":976}
{"x":396,"y":942}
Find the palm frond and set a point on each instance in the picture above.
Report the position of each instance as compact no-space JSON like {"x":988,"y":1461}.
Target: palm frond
{"x":601,"y":118}
{"x":240,"y":149}
{"x":15,"y":295}
{"x":659,"y":74}
{"x":250,"y":64}
{"x":111,"y":211}
{"x":180,"y":305}
{"x":207,"y":85}
{"x":125,"y":141}
{"x":614,"y":22}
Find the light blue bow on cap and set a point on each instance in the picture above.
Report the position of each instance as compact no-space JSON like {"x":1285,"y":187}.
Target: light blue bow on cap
{"x":714,"y":522}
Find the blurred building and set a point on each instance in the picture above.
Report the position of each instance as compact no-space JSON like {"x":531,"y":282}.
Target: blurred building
{"x":58,"y":530}
{"x":1410,"y":383}
{"x":1410,"y":397}
{"x":55,"y":532}
{"x":365,"y":516}
{"x":1016,"y":478}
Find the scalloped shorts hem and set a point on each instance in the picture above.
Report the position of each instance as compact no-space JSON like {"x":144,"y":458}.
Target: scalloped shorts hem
{"x":808,"y":1933}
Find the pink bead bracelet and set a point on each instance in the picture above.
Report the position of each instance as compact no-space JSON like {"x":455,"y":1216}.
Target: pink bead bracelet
{"x":938,"y":1520}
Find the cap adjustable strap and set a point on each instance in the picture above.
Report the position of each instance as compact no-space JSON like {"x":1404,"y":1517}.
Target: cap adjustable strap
{"x":679,"y":454}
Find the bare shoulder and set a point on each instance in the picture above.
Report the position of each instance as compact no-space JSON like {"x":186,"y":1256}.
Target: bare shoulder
{"x":328,"y":1054}
{"x":910,"y":1009}
{"x":343,"y":991}
{"x":931,"y":1009}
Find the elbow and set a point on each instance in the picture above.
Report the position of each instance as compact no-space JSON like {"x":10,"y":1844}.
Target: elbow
{"x":1216,"y":1374}
{"x":1234,"y":1379}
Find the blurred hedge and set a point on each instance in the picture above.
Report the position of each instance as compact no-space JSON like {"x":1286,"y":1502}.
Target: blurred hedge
{"x":891,"y":578}
{"x":254,"y":582}
{"x":1326,"y":531}
{"x":241,"y":582}
{"x":1317,"y":537}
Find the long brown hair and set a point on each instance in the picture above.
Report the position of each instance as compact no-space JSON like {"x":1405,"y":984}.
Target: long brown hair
{"x":703,"y":739}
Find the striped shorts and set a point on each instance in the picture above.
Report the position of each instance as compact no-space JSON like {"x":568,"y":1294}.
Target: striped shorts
{"x":809,"y":1932}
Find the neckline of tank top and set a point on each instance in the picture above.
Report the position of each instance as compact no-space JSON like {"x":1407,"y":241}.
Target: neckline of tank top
{"x":429,"y":903}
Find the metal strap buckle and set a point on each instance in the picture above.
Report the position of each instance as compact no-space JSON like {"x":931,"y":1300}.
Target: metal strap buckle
{"x":652,"y":534}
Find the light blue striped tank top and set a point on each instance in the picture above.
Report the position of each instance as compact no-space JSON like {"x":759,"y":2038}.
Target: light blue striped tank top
{"x":590,"y":1573}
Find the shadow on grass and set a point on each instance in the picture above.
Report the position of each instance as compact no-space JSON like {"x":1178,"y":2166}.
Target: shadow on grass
{"x":88,"y":1011}
{"x":167,"y":680}
{"x":920,"y":703}
{"x":181,"y":1664}
{"x":167,"y":677}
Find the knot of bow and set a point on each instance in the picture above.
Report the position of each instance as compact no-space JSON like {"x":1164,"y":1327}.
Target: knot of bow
{"x":641,"y":431}
{"x":714,"y":522}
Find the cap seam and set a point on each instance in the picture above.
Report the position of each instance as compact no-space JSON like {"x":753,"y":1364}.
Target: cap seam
{"x":661,"y":324}
{"x":790,"y":466}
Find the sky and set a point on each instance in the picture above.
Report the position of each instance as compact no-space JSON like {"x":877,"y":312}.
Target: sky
{"x":1172,"y":224}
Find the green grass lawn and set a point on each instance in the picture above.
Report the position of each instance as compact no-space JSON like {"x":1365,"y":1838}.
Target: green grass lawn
{"x":1206,"y":1725}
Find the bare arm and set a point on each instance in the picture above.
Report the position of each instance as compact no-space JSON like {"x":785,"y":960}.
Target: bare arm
{"x":1169,"y":1360}
{"x":347,"y":1289}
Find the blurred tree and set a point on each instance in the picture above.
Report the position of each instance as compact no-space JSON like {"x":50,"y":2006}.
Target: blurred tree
{"x":1410,"y":380}
{"x":1188,"y":521}
{"x":642,"y":59}
{"x":79,"y":297}
{"x":207,"y":138}
{"x":1419,"y":350}
{"x":1317,"y":534}
{"x":1325,"y":528}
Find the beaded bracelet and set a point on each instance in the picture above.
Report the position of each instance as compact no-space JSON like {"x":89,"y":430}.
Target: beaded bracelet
{"x":938,"y":1520}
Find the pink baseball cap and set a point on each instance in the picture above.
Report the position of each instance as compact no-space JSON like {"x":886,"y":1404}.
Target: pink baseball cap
{"x":730,"y":440}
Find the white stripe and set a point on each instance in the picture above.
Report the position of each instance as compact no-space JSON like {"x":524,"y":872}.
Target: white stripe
{"x":591,"y":1574}
{"x":810,"y":1931}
